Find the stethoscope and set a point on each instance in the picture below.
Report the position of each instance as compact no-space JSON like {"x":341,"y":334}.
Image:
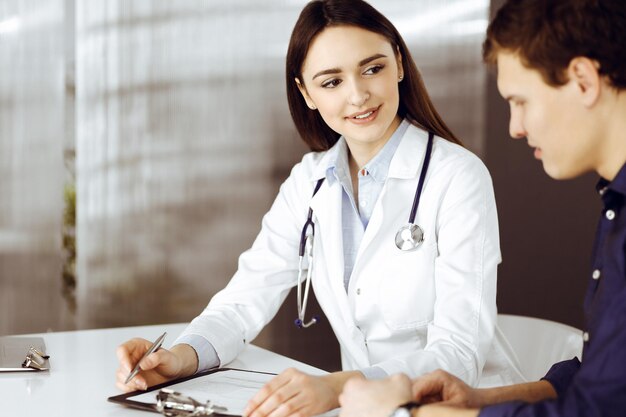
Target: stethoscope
{"x":408,"y":238}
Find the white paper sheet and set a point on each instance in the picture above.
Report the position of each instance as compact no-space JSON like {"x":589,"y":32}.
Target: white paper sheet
{"x":230,"y":388}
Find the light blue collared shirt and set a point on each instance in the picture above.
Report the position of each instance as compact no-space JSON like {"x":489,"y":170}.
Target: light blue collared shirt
{"x":371,"y":179}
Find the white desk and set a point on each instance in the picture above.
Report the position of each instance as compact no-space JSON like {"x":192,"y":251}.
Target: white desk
{"x":82,"y":375}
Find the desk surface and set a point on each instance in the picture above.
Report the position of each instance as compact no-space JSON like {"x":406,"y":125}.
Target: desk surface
{"x":82,"y":374}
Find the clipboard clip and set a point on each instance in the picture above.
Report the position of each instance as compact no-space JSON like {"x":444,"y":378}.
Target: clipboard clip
{"x":36,"y":359}
{"x":174,"y":404}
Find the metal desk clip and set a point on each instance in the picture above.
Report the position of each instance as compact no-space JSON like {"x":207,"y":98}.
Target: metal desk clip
{"x":174,"y":404}
{"x":36,"y":359}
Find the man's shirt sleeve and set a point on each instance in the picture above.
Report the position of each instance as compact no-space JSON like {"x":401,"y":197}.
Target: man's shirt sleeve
{"x":561,"y":375}
{"x":598,"y":388}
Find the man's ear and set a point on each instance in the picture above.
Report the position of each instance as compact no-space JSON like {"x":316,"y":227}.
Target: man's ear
{"x":585,"y":73}
{"x":305,"y":95}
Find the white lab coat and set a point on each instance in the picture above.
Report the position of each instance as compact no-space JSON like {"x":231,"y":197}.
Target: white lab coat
{"x":410,"y":312}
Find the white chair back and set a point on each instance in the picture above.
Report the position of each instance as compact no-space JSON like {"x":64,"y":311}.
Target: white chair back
{"x":539,"y":343}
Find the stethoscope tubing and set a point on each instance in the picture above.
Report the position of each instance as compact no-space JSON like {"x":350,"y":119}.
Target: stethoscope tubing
{"x":420,"y":182}
{"x":413,"y":244}
{"x":309,"y":221}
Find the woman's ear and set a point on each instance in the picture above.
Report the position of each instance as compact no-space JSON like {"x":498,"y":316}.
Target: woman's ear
{"x":399,"y":63}
{"x":584,"y":72}
{"x":305,"y":95}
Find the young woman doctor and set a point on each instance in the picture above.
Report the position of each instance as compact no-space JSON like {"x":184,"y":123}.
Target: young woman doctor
{"x":395,"y":303}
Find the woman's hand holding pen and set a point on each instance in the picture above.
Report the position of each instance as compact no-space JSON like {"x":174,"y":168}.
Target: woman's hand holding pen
{"x":160,"y":366}
{"x":294,"y":393}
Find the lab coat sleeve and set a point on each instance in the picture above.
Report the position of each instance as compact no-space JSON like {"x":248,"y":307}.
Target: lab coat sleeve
{"x":266,"y":272}
{"x":460,"y":334}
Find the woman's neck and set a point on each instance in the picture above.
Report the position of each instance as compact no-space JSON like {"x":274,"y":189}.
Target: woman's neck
{"x":360,"y":153}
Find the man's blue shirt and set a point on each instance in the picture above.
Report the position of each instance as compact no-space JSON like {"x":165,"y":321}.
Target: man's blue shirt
{"x":597,"y":385}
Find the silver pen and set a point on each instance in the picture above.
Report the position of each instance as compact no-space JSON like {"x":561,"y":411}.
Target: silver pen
{"x":155,"y":346}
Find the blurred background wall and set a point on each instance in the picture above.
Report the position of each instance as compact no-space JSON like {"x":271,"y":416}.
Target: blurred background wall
{"x":32,"y":139}
{"x":141,"y":141}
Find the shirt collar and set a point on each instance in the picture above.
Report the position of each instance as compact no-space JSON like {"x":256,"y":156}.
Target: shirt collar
{"x":336,"y":159}
{"x":337,"y":167}
{"x":378,"y":166}
{"x":618,"y":184}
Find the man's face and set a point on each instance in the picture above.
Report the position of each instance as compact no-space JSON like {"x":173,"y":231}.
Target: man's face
{"x":553,"y":119}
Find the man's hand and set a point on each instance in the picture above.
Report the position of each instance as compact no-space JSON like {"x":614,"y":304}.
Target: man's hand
{"x":440,"y":386}
{"x":438,"y":410}
{"x":446,"y":389}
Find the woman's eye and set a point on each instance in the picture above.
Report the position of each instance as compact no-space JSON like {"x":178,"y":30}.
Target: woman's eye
{"x":373,"y":70}
{"x":331,"y":83}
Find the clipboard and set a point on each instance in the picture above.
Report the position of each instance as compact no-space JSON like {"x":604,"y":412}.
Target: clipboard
{"x":140,"y":399}
{"x":23,"y":354}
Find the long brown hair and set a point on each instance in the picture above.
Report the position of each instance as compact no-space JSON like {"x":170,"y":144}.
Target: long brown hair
{"x":415,"y":104}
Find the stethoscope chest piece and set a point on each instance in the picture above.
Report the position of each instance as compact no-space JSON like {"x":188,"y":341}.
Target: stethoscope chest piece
{"x":409,"y":237}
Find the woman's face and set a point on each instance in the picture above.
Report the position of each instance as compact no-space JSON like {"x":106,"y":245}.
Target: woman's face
{"x":351,"y":76}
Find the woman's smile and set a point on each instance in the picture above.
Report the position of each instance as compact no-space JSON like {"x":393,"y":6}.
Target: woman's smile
{"x":364,"y":117}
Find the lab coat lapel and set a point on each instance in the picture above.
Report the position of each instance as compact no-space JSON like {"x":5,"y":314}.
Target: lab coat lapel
{"x":333,"y":299}
{"x":406,"y":163}
{"x":372,"y":229}
{"x":326,"y":207}
{"x":409,"y":157}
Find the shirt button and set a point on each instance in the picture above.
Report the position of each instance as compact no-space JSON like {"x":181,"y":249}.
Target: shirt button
{"x":602,"y":190}
{"x":610,"y":214}
{"x":358,"y":291}
{"x":596,"y":274}
{"x":364,"y":203}
{"x":585,"y":337}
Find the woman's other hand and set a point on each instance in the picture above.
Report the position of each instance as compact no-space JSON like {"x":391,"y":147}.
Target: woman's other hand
{"x":379,"y":398}
{"x":297,"y":394}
